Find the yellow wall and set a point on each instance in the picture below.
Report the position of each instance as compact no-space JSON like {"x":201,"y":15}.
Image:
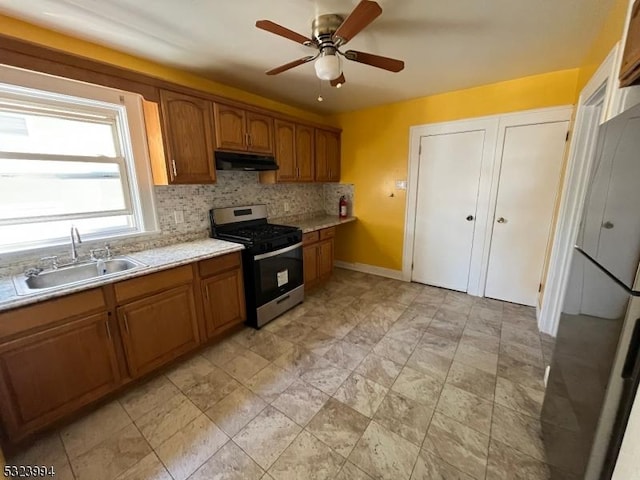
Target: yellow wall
{"x":32,"y":33}
{"x":610,"y":33}
{"x":375,"y":147}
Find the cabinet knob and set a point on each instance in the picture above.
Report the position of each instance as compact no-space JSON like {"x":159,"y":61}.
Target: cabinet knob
{"x":607,"y":225}
{"x":470,"y":218}
{"x":501,"y":220}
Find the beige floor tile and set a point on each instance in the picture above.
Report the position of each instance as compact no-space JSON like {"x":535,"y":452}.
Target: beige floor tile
{"x":270,"y":382}
{"x":458,"y":445}
{"x":430,"y":467}
{"x":520,"y":372}
{"x":339,"y":426}
{"x":116,"y":454}
{"x":482,"y":341}
{"x":229,"y":463}
{"x":488,"y":303}
{"x":307,"y":458}
{"x":395,"y":350}
{"x":84,"y":434}
{"x":472,"y":356}
{"x":222,"y":352}
{"x":191,"y":446}
{"x":294,"y":331}
{"x":487,"y":311}
{"x":379,"y":369}
{"x":212,"y":388}
{"x":365,"y":335}
{"x":518,"y":397}
{"x":466,"y":408}
{"x":271,"y":347}
{"x":418,"y":386}
{"x":324,"y":376}
{"x":267,"y":436}
{"x":518,"y":431}
{"x":430,"y":363}
{"x":237,"y":409}
{"x":446,"y":329}
{"x":514,"y":334}
{"x":340,"y":323}
{"x":300,"y":402}
{"x":164,"y":421}
{"x":345,"y":355}
{"x":190,"y":373}
{"x":445,"y":347}
{"x":505,"y":463}
{"x":472,"y":380}
{"x":317,"y":342}
{"x":351,"y":472}
{"x":148,"y":396}
{"x":149,"y":468}
{"x":48,"y":451}
{"x":404,"y":416}
{"x":486,"y":326}
{"x":453,"y":316}
{"x":297,"y":360}
{"x":389,"y":310}
{"x":383,"y":454}
{"x":522,"y":353}
{"x":245,"y":365}
{"x":361,"y":394}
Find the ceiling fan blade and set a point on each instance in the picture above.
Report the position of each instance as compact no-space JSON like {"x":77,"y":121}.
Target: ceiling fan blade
{"x":290,"y":65}
{"x":361,"y":16}
{"x":338,"y":81}
{"x":378,"y":61}
{"x":272,"y":27}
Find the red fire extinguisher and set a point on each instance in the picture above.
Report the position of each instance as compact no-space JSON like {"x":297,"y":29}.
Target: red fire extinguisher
{"x":343,"y":207}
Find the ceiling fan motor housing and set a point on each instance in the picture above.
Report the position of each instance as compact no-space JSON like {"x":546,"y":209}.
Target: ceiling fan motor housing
{"x":322,"y":29}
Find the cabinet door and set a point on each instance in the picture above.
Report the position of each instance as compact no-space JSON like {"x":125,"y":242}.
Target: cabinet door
{"x":310,"y":265}
{"x":286,"y":151}
{"x":223,"y":301}
{"x":327,"y":161}
{"x":259,"y":133}
{"x":230,"y":127}
{"x":158,"y":328}
{"x":325,"y":259}
{"x":188,"y":132}
{"x":47,"y":375}
{"x":305,"y":153}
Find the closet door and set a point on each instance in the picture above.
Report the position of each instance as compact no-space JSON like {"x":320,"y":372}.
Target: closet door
{"x":447,"y":198}
{"x":530,"y":168}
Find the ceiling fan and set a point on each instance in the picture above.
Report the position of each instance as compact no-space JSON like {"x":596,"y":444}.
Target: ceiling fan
{"x":328,"y":33}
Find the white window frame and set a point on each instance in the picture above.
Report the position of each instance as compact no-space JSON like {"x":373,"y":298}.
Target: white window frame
{"x":133,"y":158}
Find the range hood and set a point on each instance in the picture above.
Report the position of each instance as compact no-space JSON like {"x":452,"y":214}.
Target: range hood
{"x":244,"y":161}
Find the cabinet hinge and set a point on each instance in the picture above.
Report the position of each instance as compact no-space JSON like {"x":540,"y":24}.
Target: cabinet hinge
{"x":567,"y":138}
{"x":539,"y":288}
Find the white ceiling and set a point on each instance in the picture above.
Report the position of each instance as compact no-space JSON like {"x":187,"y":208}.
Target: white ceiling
{"x":446,"y":44}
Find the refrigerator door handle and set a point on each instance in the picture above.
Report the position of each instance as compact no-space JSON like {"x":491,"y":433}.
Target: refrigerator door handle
{"x":632,"y":355}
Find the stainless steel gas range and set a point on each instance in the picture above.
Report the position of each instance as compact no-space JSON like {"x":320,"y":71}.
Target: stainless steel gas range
{"x":272,"y":260}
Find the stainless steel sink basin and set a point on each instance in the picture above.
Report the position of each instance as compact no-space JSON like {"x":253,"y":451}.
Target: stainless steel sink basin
{"x":73,"y":275}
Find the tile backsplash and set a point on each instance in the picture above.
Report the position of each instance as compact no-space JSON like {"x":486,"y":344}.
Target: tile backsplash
{"x":195,"y":201}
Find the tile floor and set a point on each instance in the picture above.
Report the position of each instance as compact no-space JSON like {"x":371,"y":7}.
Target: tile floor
{"x":370,"y":378}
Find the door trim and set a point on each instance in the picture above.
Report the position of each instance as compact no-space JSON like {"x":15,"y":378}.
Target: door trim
{"x":487,"y":193}
{"x":601,"y":88}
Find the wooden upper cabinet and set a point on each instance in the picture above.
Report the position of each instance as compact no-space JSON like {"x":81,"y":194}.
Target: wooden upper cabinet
{"x":285,"y":151}
{"x":305,"y":154}
{"x":259,"y":133}
{"x":158,"y":328}
{"x":327,"y":160}
{"x":50,"y":374}
{"x":630,"y":69}
{"x":188,"y":133}
{"x":231,"y":132}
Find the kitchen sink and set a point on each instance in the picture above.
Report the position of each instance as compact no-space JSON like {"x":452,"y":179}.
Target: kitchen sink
{"x":73,"y":275}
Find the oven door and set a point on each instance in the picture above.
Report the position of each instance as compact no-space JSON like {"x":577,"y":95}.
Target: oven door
{"x":276,"y":273}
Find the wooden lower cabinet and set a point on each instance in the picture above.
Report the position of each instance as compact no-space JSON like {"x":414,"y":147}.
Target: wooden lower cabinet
{"x":158,"y":328}
{"x":317,"y":256}
{"x":223,"y":297}
{"x":310,"y":262}
{"x":47,"y":375}
{"x":325,"y":259}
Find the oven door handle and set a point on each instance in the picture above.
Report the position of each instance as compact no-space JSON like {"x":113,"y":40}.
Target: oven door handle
{"x":262,"y":256}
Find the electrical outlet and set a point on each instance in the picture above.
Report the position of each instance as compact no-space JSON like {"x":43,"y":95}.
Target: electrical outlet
{"x":179,"y":216}
{"x":286,"y":206}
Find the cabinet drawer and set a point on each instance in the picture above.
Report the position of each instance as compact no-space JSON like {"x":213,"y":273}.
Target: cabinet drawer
{"x":310,"y":237}
{"x":50,"y":312}
{"x":155,"y":282}
{"x":327,"y":233}
{"x":216,"y":265}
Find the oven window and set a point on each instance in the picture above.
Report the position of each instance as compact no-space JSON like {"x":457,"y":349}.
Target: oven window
{"x":274,"y":276}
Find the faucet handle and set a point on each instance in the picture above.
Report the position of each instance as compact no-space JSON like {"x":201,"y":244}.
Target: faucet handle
{"x":107,"y":249}
{"x":53,"y":259}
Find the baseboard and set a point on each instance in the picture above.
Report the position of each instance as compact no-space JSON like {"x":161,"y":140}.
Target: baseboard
{"x":372,"y":269}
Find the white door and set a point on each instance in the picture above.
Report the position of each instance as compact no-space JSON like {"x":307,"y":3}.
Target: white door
{"x":532,"y":158}
{"x":447,"y":197}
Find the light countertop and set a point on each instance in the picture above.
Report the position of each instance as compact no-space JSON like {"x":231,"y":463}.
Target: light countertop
{"x":315,"y":223}
{"x":155,"y":260}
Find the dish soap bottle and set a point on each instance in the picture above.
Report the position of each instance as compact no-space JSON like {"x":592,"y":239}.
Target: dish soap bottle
{"x":343,"y":207}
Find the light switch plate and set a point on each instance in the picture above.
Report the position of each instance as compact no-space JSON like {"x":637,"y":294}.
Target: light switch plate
{"x":401,"y":184}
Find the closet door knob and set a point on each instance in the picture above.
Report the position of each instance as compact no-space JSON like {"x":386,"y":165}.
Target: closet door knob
{"x":607,"y":225}
{"x":470,"y":218}
{"x":501,"y":220}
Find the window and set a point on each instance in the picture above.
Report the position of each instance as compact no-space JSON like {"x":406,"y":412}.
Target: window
{"x":69,"y":160}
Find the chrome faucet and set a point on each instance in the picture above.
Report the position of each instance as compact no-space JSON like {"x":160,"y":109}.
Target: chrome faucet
{"x":75,"y":236}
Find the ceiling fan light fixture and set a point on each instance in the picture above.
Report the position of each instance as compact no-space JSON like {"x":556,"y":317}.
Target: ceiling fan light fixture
{"x":328,"y":66}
